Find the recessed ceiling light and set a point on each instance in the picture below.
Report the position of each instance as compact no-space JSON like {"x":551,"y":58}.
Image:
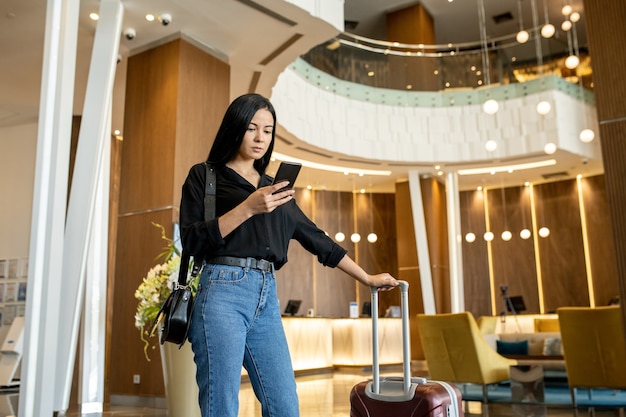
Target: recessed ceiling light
{"x":94,"y":16}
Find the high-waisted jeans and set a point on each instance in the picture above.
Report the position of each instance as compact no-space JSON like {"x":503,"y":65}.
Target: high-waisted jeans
{"x":237,"y":321}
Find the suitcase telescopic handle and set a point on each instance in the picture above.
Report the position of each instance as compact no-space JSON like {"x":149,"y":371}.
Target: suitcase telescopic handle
{"x":406,"y":344}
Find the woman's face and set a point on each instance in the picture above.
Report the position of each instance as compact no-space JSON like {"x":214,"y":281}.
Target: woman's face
{"x":258,"y":136}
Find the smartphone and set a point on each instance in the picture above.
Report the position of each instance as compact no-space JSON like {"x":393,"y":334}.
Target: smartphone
{"x":287,"y":171}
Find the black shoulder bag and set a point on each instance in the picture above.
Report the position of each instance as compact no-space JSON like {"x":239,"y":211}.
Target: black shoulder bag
{"x":177,"y":310}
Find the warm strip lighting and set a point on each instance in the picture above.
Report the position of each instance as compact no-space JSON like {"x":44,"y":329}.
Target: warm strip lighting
{"x":333,"y":168}
{"x":506,"y":168}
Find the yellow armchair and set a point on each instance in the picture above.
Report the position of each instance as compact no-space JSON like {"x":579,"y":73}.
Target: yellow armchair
{"x":456,"y":351}
{"x":594,"y":347}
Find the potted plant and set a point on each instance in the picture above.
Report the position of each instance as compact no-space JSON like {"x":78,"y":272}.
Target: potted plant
{"x":179,"y":369}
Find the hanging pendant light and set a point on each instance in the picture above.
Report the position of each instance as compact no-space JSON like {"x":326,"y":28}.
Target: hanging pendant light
{"x":549,"y":148}
{"x":339,"y":236}
{"x":587,"y":135}
{"x":491,"y":106}
{"x":506,"y":235}
{"x":372,"y":237}
{"x":522,"y":36}
{"x":548,"y":30}
{"x":525,"y":232}
{"x":544,"y":107}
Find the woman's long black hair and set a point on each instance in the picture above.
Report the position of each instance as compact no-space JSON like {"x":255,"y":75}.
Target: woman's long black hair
{"x":234,"y":125}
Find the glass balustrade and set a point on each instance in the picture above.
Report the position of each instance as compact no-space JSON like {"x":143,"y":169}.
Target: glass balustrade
{"x":431,"y":68}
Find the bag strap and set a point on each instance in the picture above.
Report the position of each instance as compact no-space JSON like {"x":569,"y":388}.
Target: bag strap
{"x":209,"y":214}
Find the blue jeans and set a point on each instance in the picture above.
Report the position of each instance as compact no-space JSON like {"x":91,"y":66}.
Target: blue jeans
{"x":237,"y":321}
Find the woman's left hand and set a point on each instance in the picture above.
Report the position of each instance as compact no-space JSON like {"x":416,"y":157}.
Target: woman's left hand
{"x":384,"y":282}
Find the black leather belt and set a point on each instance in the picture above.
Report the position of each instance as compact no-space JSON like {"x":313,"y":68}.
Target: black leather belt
{"x":251,"y":263}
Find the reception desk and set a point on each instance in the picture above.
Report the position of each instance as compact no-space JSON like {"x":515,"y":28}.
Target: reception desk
{"x":320,"y":343}
{"x":352,"y":341}
{"x":310,"y":342}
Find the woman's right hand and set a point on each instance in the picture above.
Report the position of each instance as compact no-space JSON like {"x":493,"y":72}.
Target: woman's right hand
{"x":264,"y":200}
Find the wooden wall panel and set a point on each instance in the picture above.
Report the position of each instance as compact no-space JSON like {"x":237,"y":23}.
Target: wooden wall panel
{"x":295,"y":279}
{"x":198,"y":108}
{"x":601,"y":249}
{"x":561,"y":254}
{"x":333,"y":288}
{"x":150,"y":129}
{"x":475,"y":258}
{"x":376,"y":213}
{"x":408,"y":268}
{"x":137,"y":247}
{"x":513,"y":260}
{"x":412,"y":24}
{"x":604,"y":21}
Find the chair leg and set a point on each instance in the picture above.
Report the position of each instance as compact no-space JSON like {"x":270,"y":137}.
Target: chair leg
{"x":485,"y":403}
{"x":572,"y":391}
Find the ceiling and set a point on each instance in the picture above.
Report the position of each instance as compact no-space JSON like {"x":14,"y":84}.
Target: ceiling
{"x":230,"y":30}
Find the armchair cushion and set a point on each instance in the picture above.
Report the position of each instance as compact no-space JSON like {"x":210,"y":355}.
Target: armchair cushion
{"x":512,"y":348}
{"x":552,"y":346}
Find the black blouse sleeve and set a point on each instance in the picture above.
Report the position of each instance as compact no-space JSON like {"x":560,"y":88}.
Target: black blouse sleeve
{"x":198,"y":236}
{"x":314,"y":240}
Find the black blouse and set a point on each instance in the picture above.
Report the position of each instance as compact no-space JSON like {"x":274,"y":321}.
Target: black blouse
{"x":263,"y":236}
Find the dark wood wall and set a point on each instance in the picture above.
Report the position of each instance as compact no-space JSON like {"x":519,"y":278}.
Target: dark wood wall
{"x":328,"y":290}
{"x":549,"y":272}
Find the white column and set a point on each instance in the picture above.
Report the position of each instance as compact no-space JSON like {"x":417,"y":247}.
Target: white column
{"x":94,"y":136}
{"x":455,"y":243}
{"x":423,"y":255}
{"x":45,"y":288}
{"x":93,"y":335}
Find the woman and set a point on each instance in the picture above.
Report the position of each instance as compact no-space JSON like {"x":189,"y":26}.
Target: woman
{"x":237,"y":316}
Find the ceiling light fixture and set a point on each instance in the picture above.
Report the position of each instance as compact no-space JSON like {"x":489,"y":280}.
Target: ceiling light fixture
{"x":522,"y":36}
{"x":505,"y":168}
{"x":548,"y":30}
{"x":587,"y":135}
{"x":549,"y":148}
{"x":491,"y":106}
{"x":543,"y":107}
{"x":566,"y":25}
{"x":332,"y":168}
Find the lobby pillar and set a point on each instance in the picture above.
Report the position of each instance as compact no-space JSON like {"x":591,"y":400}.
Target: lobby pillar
{"x":176,"y":95}
{"x":606,"y":30}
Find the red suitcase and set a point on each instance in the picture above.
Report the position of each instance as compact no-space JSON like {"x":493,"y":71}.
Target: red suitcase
{"x":402,"y":396}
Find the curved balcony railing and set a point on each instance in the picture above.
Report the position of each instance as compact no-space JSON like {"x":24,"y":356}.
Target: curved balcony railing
{"x":405,"y":67}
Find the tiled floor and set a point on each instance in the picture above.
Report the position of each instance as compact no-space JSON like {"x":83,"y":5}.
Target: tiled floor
{"x":321,"y":395}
